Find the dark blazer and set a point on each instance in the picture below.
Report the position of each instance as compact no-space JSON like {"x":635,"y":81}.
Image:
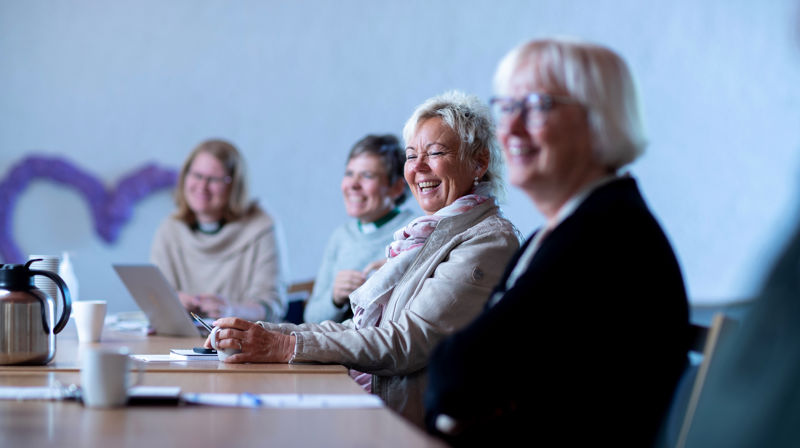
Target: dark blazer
{"x":586,"y":348}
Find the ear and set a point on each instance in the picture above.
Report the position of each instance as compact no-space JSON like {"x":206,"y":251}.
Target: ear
{"x":481,"y":163}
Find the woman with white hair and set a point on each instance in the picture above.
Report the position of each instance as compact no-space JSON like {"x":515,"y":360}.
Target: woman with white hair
{"x":440,"y":268}
{"x":594,"y":300}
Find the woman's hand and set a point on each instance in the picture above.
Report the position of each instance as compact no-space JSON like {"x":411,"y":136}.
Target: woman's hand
{"x":189,"y":301}
{"x":256,"y":343}
{"x":346,"y":282}
{"x":211,"y":305}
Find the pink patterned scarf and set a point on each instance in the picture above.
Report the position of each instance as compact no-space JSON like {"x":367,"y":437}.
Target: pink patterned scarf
{"x":369,"y":300}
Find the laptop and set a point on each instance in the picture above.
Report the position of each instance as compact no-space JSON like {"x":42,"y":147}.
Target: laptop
{"x":158,"y":300}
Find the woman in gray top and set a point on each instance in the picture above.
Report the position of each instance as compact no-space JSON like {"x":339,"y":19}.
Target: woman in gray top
{"x":439,"y":273}
{"x":372,"y":187}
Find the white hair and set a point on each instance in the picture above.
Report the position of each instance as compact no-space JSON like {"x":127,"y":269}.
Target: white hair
{"x":471,"y":120}
{"x":596,"y":77}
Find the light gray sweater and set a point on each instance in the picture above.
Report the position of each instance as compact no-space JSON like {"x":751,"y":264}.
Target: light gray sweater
{"x":348,"y":248}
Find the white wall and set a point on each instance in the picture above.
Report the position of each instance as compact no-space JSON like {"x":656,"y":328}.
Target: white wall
{"x":114,"y":85}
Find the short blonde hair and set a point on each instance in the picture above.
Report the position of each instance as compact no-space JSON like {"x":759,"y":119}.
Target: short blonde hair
{"x":596,"y":77}
{"x":238,"y":205}
{"x":471,"y":120}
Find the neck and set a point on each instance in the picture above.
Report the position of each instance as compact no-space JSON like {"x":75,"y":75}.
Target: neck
{"x":380,"y":216}
{"x":549,"y":199}
{"x":207,"y":218}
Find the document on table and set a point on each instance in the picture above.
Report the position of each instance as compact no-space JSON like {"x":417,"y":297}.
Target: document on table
{"x":302,"y":401}
{"x":178,"y":355}
{"x":154,"y":358}
{"x":191,"y":355}
{"x":31,"y":393}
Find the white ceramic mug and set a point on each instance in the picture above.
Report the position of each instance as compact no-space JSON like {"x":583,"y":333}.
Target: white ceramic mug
{"x":89,"y":318}
{"x":106,"y":377}
{"x":225,"y":352}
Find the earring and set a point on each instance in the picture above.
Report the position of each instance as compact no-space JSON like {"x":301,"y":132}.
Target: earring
{"x":475,"y":182}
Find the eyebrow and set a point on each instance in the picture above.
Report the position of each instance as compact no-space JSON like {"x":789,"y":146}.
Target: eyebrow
{"x":428,"y":145}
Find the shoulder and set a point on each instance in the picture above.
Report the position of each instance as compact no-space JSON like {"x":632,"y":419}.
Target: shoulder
{"x":258,"y":217}
{"x":171,"y":226}
{"x":488,"y":230}
{"x":489,"y":219}
{"x":257,"y":223}
{"x":621,"y":196}
{"x":347,"y":231}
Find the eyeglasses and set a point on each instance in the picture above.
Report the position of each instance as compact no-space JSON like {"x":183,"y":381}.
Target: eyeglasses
{"x":213,"y":181}
{"x":534,"y":108}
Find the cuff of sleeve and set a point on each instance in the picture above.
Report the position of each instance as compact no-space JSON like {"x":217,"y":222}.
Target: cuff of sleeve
{"x":298,"y":343}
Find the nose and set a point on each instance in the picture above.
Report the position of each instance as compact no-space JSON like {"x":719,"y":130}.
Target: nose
{"x":516,"y":122}
{"x":420,"y":164}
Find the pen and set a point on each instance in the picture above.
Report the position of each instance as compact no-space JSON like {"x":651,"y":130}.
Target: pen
{"x":197,"y":318}
{"x":256,"y":401}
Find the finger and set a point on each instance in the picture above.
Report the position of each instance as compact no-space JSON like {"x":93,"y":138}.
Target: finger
{"x":230,"y":333}
{"x":207,"y":343}
{"x":230,"y":343}
{"x":233,"y":322}
{"x":238,"y":358}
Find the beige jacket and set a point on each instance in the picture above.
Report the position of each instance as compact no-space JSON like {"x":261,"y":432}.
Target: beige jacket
{"x":445,"y":287}
{"x":241,"y":262}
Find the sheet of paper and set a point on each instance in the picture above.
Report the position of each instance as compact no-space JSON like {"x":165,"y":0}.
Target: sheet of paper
{"x":154,"y":391}
{"x":30,"y":393}
{"x":191,"y":355}
{"x":303,"y":401}
{"x":154,"y":358}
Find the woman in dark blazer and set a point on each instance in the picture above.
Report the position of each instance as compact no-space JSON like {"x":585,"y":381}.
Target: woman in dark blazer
{"x":586,"y":335}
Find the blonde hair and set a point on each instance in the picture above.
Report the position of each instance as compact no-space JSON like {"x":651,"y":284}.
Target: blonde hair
{"x":471,"y":120}
{"x":596,"y":77}
{"x":238,"y":205}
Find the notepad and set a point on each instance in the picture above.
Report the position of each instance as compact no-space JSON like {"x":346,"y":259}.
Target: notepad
{"x":190,"y":355}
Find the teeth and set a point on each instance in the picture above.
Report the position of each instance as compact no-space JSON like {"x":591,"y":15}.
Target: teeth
{"x":428,"y":184}
{"x":518,"y":151}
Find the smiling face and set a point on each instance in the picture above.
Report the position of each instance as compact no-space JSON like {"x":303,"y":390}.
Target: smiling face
{"x":434,"y":170}
{"x":366,"y":190}
{"x":205,"y":188}
{"x":550,"y":162}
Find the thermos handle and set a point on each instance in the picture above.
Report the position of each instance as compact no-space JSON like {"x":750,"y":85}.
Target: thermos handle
{"x":67,"y":301}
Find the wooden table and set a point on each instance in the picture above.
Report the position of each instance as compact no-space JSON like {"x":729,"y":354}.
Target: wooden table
{"x":69,"y":352}
{"x":32,"y":424}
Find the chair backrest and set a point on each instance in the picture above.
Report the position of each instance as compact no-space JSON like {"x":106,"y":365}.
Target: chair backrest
{"x":298,"y":295}
{"x":721,"y":326}
{"x":301,"y":290}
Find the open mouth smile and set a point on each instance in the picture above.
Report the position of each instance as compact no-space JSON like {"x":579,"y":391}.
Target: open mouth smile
{"x":428,"y":185}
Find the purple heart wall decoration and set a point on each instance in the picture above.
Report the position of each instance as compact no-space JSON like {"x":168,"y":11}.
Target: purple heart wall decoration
{"x":110,"y":208}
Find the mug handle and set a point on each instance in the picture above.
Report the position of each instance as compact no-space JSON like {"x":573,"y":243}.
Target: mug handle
{"x":66,"y":309}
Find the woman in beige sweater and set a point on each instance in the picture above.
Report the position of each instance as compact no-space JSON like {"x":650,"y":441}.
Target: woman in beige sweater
{"x":219,"y":250}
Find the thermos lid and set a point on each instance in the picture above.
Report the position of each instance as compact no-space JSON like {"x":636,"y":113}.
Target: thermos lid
{"x":16,"y":277}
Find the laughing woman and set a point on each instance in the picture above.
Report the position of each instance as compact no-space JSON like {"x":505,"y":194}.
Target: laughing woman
{"x":440,"y":269}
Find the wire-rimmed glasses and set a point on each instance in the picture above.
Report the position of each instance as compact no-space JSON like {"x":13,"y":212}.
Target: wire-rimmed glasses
{"x":534,"y":108}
